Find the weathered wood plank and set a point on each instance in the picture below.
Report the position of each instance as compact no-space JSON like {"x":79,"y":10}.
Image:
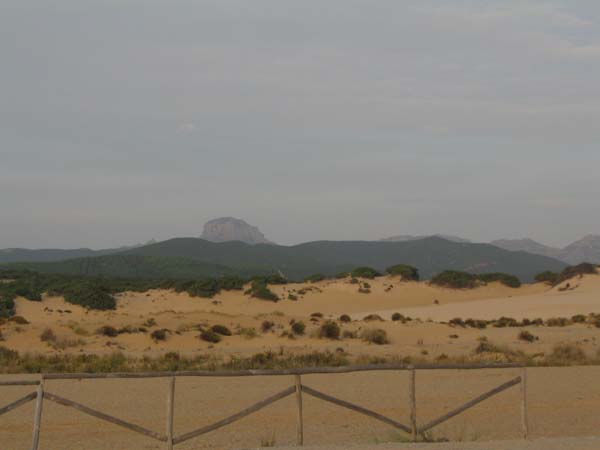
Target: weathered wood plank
{"x":356,"y":408}
{"x":412,"y":396}
{"x":37,"y":418}
{"x":470,"y":404}
{"x":170,"y":412}
{"x":257,"y":372}
{"x":99,"y":415}
{"x":20,"y":383}
{"x":524,"y":418}
{"x":20,"y":402}
{"x":300,"y":422}
{"x":235,"y":417}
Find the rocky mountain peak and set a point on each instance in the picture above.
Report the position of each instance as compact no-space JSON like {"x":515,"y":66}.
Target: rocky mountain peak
{"x":226,"y":229}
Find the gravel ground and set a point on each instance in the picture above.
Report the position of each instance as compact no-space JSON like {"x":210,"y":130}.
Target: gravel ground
{"x":580,"y":443}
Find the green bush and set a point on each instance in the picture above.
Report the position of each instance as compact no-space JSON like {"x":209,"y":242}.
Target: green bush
{"x":48,"y":335}
{"x":547,"y":277}
{"x":505,"y":279}
{"x":159,"y":335}
{"x":259,"y":289}
{"x":375,"y":336}
{"x":298,"y":328}
{"x":210,"y":336}
{"x":221,"y":329}
{"x":19,"y":320}
{"x":455,"y":279}
{"x":396,"y":317}
{"x":90,"y":295}
{"x":330,"y":330}
{"x":365,"y":272}
{"x":373,"y":317}
{"x":526,"y":336}
{"x":575,"y":271}
{"x":405,"y":271}
{"x":107,"y":330}
{"x":267,"y":325}
{"x":315,"y":278}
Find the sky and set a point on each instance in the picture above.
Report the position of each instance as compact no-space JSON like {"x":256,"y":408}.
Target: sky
{"x":126,"y":120}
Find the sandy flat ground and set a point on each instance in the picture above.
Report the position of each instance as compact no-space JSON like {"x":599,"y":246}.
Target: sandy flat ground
{"x":587,"y":443}
{"x":562,"y":402}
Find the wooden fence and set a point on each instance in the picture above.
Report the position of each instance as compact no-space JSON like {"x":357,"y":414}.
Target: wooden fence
{"x":297,"y":389}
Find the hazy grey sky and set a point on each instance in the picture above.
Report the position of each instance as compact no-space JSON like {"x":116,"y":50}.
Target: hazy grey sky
{"x":125,"y":120}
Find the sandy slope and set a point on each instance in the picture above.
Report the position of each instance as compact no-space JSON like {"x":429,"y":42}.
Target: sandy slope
{"x":583,"y":297}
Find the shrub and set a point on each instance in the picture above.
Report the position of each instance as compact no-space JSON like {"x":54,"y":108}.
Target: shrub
{"x":365,"y":272}
{"x":373,"y":317}
{"x":159,"y":335}
{"x":329,"y":330}
{"x":397,"y":317}
{"x":473,"y":323}
{"x":503,"y":322}
{"x":455,"y":279}
{"x":526,"y":336}
{"x":315,"y":278}
{"x":210,"y":336}
{"x":151,"y":322}
{"x":298,"y":328}
{"x":578,"y":318}
{"x":505,"y":279}
{"x":107,"y":330}
{"x":248,"y":333}
{"x":90,"y":295}
{"x":341,"y":275}
{"x":375,"y":336}
{"x":547,"y":277}
{"x":457,"y":322}
{"x":221,"y":329}
{"x":317,"y":314}
{"x":267,"y":325}
{"x":259,"y":289}
{"x":48,"y":335}
{"x":292,"y":297}
{"x":574,"y":271}
{"x":557,"y":322}
{"x":19,"y":320}
{"x":405,"y":271}
{"x":567,"y":354}
{"x":345,"y":318}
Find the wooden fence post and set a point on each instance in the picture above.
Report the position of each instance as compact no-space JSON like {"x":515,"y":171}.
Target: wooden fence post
{"x":300,"y":424}
{"x":170,"y":412}
{"x":413,"y":403}
{"x":524,"y":419}
{"x":37,"y":418}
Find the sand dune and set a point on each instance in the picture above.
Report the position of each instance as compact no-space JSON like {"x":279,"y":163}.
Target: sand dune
{"x":180,"y":314}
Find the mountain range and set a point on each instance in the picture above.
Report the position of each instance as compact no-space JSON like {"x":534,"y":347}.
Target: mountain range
{"x":195,"y":257}
{"x":230,"y":246}
{"x":586,"y":249}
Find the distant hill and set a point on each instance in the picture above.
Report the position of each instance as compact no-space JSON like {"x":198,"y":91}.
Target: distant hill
{"x":225,"y":229}
{"x":408,"y":237}
{"x":185,"y":257}
{"x":586,"y":249}
{"x":10,"y":255}
{"x":130,"y":266}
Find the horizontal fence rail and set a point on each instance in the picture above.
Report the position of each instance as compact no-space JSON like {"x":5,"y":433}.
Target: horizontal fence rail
{"x":298,"y":389}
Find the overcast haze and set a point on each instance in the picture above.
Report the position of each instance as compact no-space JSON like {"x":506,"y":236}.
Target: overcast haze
{"x":125,"y":120}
